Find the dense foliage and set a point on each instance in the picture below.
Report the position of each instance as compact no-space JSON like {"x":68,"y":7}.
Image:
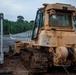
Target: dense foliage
{"x":18,"y":26}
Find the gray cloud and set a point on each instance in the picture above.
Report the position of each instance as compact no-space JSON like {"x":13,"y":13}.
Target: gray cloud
{"x":26,"y":8}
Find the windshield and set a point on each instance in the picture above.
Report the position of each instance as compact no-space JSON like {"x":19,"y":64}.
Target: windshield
{"x":60,"y":20}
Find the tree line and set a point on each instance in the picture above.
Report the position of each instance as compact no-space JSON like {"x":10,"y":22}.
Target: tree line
{"x":18,"y":26}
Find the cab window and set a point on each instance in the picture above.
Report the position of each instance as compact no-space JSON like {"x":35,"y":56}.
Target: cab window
{"x":60,"y":20}
{"x":74,"y":19}
{"x":37,"y":21}
{"x":42,"y":18}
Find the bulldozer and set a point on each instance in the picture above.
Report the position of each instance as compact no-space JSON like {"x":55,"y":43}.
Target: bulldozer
{"x":53,"y":41}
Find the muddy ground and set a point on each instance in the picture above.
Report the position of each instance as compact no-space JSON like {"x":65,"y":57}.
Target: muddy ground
{"x":16,"y":67}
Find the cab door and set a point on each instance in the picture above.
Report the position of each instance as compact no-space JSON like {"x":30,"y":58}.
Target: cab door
{"x":36,"y":26}
{"x":39,"y":22}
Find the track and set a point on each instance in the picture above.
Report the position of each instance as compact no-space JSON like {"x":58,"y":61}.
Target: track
{"x":15,"y":65}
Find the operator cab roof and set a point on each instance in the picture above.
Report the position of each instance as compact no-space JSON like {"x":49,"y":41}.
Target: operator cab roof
{"x":59,"y":6}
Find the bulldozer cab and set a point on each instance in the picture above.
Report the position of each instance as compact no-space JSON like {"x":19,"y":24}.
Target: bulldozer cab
{"x":54,"y":16}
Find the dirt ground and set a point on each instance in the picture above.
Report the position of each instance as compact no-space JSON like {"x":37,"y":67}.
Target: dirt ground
{"x":15,"y":65}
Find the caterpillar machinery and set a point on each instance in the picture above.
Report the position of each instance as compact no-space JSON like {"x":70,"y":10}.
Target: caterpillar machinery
{"x":53,"y":39}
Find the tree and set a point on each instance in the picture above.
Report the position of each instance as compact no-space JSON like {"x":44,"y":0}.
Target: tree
{"x":6,"y":26}
{"x":26,"y":21}
{"x":20,"y":18}
{"x":18,"y":26}
{"x":32,"y":21}
{"x":31,"y":24}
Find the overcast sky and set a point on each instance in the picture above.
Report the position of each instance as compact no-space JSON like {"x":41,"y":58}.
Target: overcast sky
{"x":26,"y":8}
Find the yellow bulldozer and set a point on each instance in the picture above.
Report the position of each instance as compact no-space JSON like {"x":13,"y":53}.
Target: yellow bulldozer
{"x":53,"y":39}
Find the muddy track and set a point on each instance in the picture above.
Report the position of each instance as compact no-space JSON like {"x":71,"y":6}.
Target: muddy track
{"x":15,"y":65}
